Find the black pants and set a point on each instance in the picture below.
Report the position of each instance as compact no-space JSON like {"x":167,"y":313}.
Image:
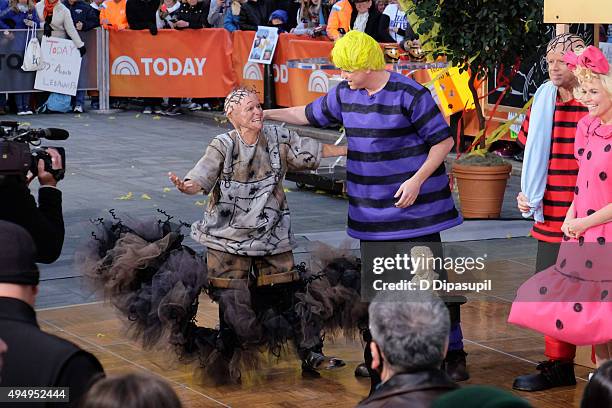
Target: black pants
{"x":547,"y":255}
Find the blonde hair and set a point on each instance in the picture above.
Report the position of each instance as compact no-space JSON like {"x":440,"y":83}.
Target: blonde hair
{"x":585,"y":75}
{"x":357,"y":51}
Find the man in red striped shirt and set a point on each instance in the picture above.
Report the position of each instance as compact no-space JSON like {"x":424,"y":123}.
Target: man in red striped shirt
{"x":558,"y":196}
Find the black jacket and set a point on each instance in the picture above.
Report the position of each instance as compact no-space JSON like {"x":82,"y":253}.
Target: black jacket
{"x":377,"y":26}
{"x":83,"y":12}
{"x":38,"y":359}
{"x":414,"y":390}
{"x":44,"y":222}
{"x":196,"y":16}
{"x":255,"y":13}
{"x":140,"y":15}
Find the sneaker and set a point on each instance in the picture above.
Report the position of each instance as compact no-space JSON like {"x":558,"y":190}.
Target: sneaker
{"x":78,"y":109}
{"x":362,"y":371}
{"x":173,"y":111}
{"x":21,"y":113}
{"x":455,"y":365}
{"x":28,"y":112}
{"x":551,"y":374}
{"x":206,"y":107}
{"x":147,"y":110}
{"x":194,"y":107}
{"x":158,"y":110}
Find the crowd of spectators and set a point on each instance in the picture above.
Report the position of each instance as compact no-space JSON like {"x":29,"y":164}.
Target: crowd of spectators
{"x":68,"y":18}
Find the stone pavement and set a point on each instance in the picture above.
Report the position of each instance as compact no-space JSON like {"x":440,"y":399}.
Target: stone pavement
{"x":120,"y":162}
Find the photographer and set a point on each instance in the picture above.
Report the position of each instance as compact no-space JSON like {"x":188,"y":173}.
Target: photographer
{"x":44,"y":221}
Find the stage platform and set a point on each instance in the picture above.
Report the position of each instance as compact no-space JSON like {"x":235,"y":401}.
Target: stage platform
{"x":497,"y":353}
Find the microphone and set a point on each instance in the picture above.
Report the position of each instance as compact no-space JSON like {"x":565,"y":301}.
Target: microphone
{"x":52,"y":134}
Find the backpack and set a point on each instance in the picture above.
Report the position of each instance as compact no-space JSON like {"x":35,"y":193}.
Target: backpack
{"x":56,"y":103}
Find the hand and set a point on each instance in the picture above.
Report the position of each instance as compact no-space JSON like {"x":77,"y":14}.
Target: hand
{"x":523,"y":203}
{"x":574,"y":228}
{"x":182,"y":24}
{"x":79,"y":25}
{"x":187,"y":187}
{"x":29,"y":23}
{"x":47,"y":30}
{"x":44,"y":177}
{"x":407,"y":193}
{"x":82,"y":51}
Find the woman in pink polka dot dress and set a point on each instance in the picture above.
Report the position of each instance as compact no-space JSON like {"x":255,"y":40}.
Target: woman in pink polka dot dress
{"x":572,"y":300}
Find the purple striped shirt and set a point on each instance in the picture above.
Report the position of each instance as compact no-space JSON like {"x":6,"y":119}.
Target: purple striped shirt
{"x":389,"y":136}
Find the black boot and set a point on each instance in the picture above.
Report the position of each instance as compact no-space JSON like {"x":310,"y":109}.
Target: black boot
{"x":455,"y":365}
{"x":362,"y":371}
{"x":552,"y":374}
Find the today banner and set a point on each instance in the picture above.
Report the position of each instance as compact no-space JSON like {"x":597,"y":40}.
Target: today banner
{"x":185,"y":63}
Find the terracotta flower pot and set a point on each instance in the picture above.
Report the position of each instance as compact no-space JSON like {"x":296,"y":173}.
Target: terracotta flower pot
{"x":481,"y":189}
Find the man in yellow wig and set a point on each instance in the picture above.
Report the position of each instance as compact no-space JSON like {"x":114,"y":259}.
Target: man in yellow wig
{"x":396,"y":180}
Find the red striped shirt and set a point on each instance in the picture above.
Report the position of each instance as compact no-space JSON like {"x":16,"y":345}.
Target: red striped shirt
{"x":562,"y":169}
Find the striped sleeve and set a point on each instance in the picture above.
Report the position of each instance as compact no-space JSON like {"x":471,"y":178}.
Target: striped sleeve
{"x":522,"y":136}
{"x":326,"y":110}
{"x":427,"y":119}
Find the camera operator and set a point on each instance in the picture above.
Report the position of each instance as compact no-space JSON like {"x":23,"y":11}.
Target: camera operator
{"x":44,"y":221}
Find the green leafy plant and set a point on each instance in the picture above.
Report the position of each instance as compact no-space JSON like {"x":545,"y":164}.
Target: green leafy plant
{"x":480,"y":36}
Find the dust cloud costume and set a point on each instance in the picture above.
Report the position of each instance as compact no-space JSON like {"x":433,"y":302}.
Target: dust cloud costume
{"x":265,"y":300}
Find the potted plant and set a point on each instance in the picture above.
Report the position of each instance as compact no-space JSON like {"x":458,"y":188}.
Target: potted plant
{"x":479,"y":36}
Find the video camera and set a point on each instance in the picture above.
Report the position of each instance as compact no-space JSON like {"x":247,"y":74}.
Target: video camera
{"x":16,"y":157}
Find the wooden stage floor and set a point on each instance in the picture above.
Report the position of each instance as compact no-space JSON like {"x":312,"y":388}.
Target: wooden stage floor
{"x":497,"y":353}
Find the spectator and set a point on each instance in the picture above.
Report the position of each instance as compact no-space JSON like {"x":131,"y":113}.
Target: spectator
{"x":113,"y":15}
{"x":399,"y":28}
{"x":166,"y":15}
{"x":131,"y":391}
{"x":310,"y":18}
{"x":255,"y":13}
{"x":409,"y":341}
{"x":58,"y":22}
{"x":231,"y":22}
{"x":85,"y":18}
{"x":20,"y":15}
{"x":34,"y":358}
{"x":141,"y":15}
{"x":598,"y":392}
{"x":380,"y":5}
{"x":217,"y":12}
{"x":278,"y":19}
{"x":97,"y":5}
{"x":339,"y":22}
{"x":193,"y":14}
{"x":367,"y":19}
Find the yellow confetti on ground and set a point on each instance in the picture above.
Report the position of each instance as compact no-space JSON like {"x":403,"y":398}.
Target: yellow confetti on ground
{"x":167,"y":189}
{"x":128,"y":196}
{"x":137,"y":115}
{"x":200,"y":203}
{"x":145,"y":197}
{"x":100,"y":335}
{"x":111,"y":118}
{"x":286,"y":190}
{"x":156,"y":117}
{"x":25,"y":123}
{"x":508,"y":236}
{"x":77,"y":116}
{"x":320,"y":192}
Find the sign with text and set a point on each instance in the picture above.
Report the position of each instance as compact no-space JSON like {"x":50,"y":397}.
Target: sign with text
{"x":61,"y":66}
{"x":264,"y":44}
{"x":185,"y":63}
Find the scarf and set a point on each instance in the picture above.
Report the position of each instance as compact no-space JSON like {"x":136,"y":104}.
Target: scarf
{"x":537,"y":149}
{"x":49,"y":5}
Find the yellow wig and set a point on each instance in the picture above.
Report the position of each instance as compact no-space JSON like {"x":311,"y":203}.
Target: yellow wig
{"x":357,"y":51}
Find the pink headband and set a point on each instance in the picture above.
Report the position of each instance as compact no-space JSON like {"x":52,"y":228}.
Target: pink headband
{"x":591,"y":58}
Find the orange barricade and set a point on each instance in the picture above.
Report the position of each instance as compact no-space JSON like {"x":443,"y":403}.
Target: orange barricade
{"x":188,"y":63}
{"x":306,"y":85}
{"x":247,"y":73}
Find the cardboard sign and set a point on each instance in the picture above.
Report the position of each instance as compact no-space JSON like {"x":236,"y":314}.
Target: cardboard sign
{"x":264,"y":44}
{"x":61,"y":66}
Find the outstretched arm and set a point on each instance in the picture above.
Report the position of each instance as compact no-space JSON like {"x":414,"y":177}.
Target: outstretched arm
{"x":295,"y":115}
{"x":330,"y":150}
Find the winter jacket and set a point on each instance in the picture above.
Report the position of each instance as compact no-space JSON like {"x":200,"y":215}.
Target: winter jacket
{"x":231,"y":22}
{"x":141,"y":14}
{"x":377,"y":26}
{"x":61,"y":23}
{"x":255,"y":13}
{"x":170,"y":17}
{"x":216,"y":14}
{"x":340,"y":17}
{"x":196,"y":16}
{"x":15,"y":19}
{"x":113,"y":15}
{"x":83,"y":12}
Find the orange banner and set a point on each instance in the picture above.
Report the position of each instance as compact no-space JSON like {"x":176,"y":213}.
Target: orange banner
{"x":307,"y":85}
{"x":247,"y":73}
{"x":171,"y":63}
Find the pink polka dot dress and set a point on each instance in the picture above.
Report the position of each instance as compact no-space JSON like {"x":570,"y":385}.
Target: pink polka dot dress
{"x":572,"y":300}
